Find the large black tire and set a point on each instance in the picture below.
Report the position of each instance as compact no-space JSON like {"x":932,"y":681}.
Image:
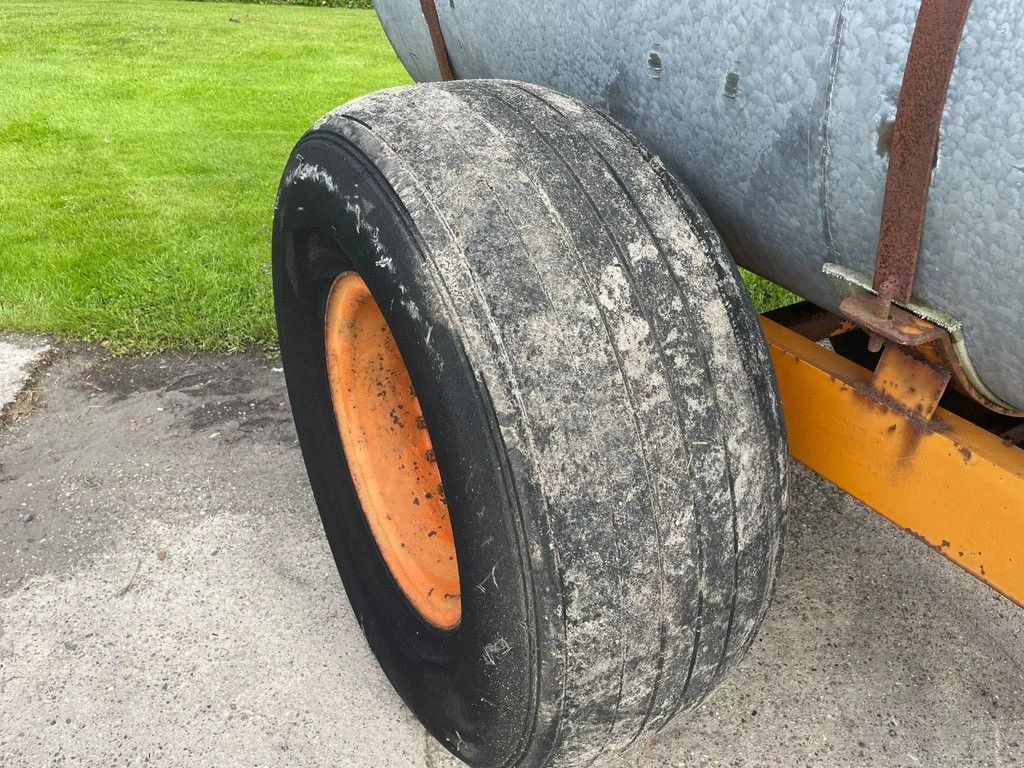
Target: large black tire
{"x":601,"y":402}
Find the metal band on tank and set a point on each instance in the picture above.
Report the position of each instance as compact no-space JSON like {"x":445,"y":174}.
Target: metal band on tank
{"x":915,"y":138}
{"x":912,"y":155}
{"x":444,"y":64}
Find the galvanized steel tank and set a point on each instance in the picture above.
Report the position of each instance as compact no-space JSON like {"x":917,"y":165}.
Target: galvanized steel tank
{"x":777,"y":116}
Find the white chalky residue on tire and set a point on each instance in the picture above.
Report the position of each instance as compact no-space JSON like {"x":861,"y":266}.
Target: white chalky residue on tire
{"x":582,"y":308}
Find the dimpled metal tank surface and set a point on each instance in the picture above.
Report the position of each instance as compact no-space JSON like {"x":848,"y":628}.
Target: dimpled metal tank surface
{"x":777,"y":115}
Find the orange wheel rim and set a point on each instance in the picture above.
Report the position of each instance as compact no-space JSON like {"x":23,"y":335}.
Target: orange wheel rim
{"x":389,"y":453}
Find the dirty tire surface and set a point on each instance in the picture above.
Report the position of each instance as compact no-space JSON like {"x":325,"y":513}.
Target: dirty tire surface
{"x":598,"y":392}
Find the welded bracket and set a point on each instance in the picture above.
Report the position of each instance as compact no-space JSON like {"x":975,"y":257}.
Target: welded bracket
{"x":904,"y":376}
{"x":909,"y":382}
{"x":923,"y":345}
{"x":934,"y":335}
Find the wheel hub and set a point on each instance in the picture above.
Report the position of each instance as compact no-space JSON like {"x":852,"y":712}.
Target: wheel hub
{"x":389,"y":452}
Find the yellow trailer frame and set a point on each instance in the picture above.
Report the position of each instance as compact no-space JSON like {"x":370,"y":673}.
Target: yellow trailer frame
{"x":884,"y":440}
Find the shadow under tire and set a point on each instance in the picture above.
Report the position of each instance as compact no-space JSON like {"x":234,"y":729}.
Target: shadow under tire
{"x":600,"y":405}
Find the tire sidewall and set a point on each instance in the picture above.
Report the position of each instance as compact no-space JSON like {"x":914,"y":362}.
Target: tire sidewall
{"x":475,"y":687}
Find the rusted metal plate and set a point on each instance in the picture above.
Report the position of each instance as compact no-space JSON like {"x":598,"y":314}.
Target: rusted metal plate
{"x":877,"y":316}
{"x":909,"y":382}
{"x":928,"y":340}
{"x":915,"y":137}
{"x":947,"y":481}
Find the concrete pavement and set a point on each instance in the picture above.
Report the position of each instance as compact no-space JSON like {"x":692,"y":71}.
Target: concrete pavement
{"x":167,"y":598}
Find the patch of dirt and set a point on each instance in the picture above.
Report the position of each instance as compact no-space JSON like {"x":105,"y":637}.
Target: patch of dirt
{"x":30,"y":399}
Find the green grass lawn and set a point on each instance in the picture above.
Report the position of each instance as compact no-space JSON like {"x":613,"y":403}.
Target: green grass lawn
{"x":141,"y":143}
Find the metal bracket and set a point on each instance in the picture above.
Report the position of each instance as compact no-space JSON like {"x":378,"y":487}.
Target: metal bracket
{"x":910,"y":381}
{"x":945,"y":347}
{"x":910,"y":375}
{"x":923,"y":346}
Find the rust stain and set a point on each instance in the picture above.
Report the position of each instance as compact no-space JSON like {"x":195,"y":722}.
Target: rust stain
{"x":884,"y":136}
{"x":941,"y":547}
{"x":884,"y":402}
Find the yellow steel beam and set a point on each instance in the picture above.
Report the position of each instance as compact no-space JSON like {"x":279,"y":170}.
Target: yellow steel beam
{"x":951,"y":483}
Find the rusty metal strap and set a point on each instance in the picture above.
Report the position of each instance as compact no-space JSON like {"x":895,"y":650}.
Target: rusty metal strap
{"x":915,"y":137}
{"x":444,"y":65}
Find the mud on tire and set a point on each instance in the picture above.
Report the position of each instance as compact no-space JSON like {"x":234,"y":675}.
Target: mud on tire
{"x":599,"y":396}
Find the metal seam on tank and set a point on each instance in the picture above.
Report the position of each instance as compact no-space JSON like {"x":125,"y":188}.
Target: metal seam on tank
{"x":956,"y":331}
{"x":826,"y":126}
{"x":655,"y":494}
{"x":444,"y":292}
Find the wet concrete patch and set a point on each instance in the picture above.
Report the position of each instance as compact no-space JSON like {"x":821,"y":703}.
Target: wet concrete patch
{"x":207,"y":392}
{"x":201,"y":375}
{"x":102,"y":459}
